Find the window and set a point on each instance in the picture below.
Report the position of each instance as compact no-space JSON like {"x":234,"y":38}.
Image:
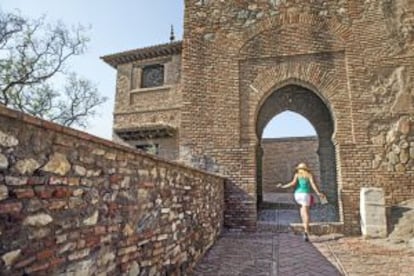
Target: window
{"x":149,"y":148}
{"x":152,"y":76}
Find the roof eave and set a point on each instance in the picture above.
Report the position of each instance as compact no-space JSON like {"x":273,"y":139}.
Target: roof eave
{"x":143,"y":53}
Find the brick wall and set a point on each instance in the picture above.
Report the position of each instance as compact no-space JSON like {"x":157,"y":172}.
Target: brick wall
{"x":74,"y":204}
{"x":346,"y":66}
{"x":137,"y":107}
{"x":356,"y":57}
{"x":281,"y":156}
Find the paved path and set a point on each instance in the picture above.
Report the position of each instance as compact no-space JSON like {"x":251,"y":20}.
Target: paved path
{"x":280,"y":254}
{"x":270,"y":254}
{"x":283,"y":254}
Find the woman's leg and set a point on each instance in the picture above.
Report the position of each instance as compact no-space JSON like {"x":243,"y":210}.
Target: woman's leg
{"x":304,"y":213}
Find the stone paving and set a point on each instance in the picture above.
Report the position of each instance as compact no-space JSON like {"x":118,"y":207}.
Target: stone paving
{"x":280,"y":253}
{"x":290,"y":213}
{"x":273,"y":254}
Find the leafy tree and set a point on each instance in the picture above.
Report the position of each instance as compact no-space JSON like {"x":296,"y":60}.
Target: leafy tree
{"x":33,"y":56}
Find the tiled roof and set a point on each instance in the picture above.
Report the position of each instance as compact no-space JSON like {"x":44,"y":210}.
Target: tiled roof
{"x":143,"y":53}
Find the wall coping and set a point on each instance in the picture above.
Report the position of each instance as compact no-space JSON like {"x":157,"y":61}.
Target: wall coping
{"x":38,"y":122}
{"x":290,"y":139}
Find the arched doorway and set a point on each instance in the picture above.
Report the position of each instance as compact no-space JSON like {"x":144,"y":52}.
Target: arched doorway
{"x":308,"y":104}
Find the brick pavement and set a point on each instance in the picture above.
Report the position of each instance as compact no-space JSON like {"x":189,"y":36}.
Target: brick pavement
{"x":275,"y":251}
{"x":263,"y":254}
{"x":358,"y":256}
{"x":280,"y":254}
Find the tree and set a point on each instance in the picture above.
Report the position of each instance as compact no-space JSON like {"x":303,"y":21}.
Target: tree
{"x":33,"y":55}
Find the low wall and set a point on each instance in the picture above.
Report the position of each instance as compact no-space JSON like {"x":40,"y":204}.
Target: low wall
{"x":74,"y":204}
{"x":282,"y":155}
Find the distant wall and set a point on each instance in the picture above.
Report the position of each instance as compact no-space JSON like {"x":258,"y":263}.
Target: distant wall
{"x":74,"y":204}
{"x":282,"y":155}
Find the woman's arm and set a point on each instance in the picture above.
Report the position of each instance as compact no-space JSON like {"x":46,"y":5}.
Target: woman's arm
{"x":290,"y":184}
{"x":315,"y":187}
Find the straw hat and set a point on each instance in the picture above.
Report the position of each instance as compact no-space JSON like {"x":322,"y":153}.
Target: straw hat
{"x":302,"y":166}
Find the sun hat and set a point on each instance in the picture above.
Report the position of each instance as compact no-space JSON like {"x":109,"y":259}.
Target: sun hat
{"x":302,"y":166}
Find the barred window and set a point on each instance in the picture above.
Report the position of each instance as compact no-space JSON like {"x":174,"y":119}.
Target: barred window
{"x":152,"y":76}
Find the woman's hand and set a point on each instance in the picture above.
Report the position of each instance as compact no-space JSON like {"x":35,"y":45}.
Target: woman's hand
{"x":279,"y":185}
{"x":321,"y":195}
{"x":322,"y":198}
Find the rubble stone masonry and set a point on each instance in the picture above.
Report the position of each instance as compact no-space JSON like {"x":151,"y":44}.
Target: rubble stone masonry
{"x":74,"y":204}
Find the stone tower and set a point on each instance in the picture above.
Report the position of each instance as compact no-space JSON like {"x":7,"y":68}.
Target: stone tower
{"x":347,"y":66}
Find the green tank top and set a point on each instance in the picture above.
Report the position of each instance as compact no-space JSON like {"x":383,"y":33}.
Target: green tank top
{"x":303,"y":185}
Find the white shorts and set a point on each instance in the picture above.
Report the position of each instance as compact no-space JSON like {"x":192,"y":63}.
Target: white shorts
{"x":303,"y":198}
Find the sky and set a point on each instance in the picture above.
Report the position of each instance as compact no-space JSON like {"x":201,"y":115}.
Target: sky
{"x":117,"y":26}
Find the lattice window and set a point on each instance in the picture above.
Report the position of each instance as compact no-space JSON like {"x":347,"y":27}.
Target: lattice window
{"x":152,"y":76}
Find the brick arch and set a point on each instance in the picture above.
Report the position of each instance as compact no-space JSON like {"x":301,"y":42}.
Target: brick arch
{"x":306,"y":102}
{"x":300,"y":97}
{"x":301,"y":100}
{"x":310,"y":76}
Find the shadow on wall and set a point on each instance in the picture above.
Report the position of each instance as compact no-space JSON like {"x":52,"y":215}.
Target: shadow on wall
{"x":240,"y":207}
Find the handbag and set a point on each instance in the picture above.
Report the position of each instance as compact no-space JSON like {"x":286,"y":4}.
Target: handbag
{"x":312,"y":200}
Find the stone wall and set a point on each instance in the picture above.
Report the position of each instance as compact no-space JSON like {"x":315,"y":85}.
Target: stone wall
{"x":74,"y":204}
{"x":282,"y":155}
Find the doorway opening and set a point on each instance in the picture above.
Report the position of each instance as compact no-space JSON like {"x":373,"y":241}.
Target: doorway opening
{"x":294,"y":125}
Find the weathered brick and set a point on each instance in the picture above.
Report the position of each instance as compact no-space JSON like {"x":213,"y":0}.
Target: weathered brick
{"x":79,"y":254}
{"x":24,"y":193}
{"x":61,"y":192}
{"x":43,"y":192}
{"x":37,"y":267}
{"x":92,"y":241}
{"x":11,"y":207}
{"x":25,"y":262}
{"x":45,"y":254}
{"x":56,"y":204}
{"x":99,"y":230}
{"x":16,"y":181}
{"x":56,"y":262}
{"x":37,"y":180}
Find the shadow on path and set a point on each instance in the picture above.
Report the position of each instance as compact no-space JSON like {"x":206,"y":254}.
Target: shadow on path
{"x":249,"y":254}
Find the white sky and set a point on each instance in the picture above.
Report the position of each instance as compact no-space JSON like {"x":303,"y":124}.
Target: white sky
{"x":122,"y":25}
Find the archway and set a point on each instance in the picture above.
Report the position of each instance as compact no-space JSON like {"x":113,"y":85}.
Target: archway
{"x":308,"y":104}
{"x":288,"y":139}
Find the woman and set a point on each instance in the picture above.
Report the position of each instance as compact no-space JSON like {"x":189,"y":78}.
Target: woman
{"x":303,"y":181}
